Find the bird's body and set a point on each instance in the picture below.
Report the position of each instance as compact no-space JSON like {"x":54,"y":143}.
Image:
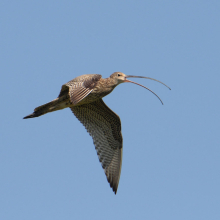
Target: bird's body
{"x":79,"y":91}
{"x":83,"y":95}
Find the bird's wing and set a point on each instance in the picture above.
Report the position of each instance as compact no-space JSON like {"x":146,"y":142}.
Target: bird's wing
{"x":80,"y":87}
{"x":105,"y":128}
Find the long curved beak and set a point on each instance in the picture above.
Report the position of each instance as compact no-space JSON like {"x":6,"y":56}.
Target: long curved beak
{"x":130,"y":76}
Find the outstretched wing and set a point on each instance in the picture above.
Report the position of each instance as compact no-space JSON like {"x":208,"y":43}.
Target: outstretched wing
{"x":105,"y":128}
{"x":80,"y":87}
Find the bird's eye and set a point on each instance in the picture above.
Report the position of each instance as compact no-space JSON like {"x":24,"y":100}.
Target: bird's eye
{"x":119,"y":74}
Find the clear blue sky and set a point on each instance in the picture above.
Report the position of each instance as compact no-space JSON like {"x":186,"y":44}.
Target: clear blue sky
{"x":171,"y":160}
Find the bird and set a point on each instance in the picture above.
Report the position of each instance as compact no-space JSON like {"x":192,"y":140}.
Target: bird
{"x":83,"y":95}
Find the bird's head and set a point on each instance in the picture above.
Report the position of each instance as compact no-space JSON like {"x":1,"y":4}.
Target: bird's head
{"x":118,"y":77}
{"x":121,"y":78}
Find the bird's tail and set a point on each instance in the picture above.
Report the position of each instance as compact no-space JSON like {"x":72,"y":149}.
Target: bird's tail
{"x":43,"y":109}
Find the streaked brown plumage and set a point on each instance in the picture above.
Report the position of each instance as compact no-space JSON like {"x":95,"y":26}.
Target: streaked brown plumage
{"x":84,"y":97}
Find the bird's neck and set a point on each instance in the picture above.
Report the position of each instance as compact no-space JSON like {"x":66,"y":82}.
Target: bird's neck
{"x":105,"y":86}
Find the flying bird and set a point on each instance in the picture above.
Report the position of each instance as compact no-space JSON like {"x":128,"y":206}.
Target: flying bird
{"x":83,"y":95}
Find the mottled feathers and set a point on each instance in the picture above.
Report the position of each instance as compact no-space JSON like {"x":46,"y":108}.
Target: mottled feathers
{"x":84,"y":96}
{"x":105,"y":128}
{"x":100,"y":121}
{"x":80,"y":87}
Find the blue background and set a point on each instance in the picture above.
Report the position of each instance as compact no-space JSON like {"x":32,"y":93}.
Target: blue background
{"x":171,"y":159}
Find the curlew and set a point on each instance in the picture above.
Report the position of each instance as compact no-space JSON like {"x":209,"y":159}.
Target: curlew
{"x":83,"y":95}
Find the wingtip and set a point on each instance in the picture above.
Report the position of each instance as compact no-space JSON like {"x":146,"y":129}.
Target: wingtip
{"x":114,"y":187}
{"x":115,"y":191}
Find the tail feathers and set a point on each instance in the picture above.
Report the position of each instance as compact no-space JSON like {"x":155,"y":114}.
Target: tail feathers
{"x":33,"y":115}
{"x":41,"y":110}
{"x":54,"y":105}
